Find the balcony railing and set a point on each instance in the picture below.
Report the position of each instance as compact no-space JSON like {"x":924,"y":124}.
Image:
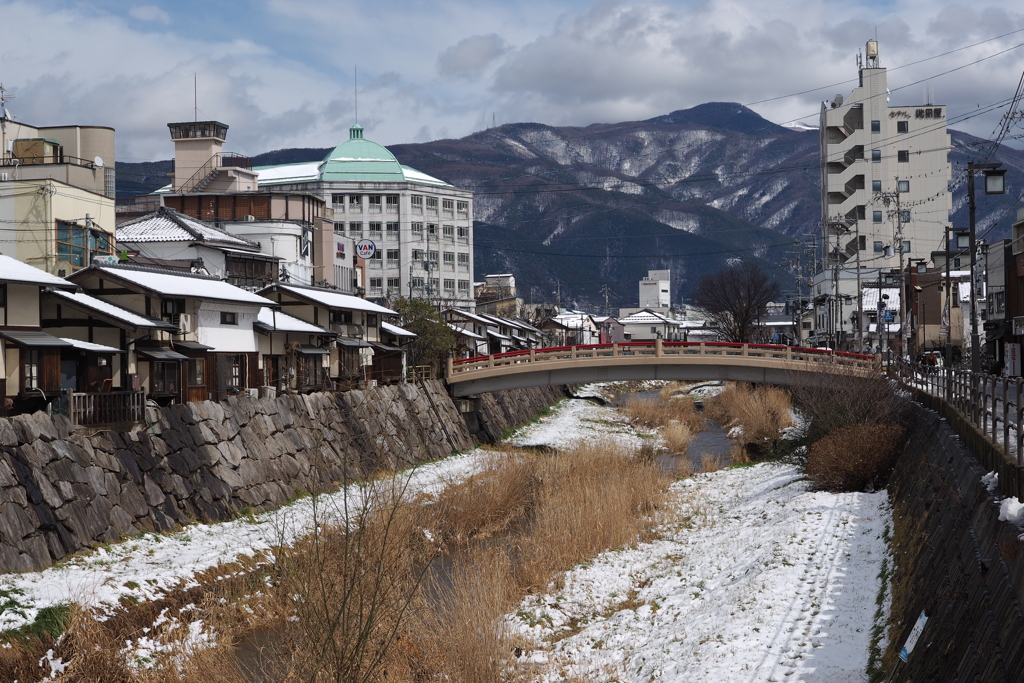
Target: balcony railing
{"x":58,"y":159}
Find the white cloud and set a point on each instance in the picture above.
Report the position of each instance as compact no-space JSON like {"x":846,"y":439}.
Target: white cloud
{"x":281,"y":74}
{"x":149,"y":13}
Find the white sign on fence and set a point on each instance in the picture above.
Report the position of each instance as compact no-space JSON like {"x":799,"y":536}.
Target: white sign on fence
{"x":1011,"y":353}
{"x":912,"y":639}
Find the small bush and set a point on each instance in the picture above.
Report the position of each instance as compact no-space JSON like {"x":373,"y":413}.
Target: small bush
{"x":854,"y":458}
{"x":659,"y":411}
{"x":677,"y":437}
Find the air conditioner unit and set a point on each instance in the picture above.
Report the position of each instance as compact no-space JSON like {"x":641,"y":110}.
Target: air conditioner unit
{"x":249,"y":218}
{"x":252,"y":392}
{"x":185,"y":322}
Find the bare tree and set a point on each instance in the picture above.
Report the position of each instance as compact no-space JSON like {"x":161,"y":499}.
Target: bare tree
{"x":735,"y":298}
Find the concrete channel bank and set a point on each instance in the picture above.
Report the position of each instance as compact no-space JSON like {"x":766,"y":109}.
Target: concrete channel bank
{"x":955,"y":560}
{"x":61,"y":491}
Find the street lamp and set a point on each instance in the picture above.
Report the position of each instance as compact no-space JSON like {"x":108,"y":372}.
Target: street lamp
{"x":994,"y":184}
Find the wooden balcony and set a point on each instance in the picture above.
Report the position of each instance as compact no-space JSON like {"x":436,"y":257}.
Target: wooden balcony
{"x":116,"y":407}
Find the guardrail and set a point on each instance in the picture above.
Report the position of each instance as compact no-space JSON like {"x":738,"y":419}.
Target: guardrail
{"x":659,"y":348}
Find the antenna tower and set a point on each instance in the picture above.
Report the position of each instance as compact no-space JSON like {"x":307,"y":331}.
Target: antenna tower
{"x":4,"y":117}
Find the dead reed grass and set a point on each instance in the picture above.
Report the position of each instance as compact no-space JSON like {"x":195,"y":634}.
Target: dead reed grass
{"x":854,"y":458}
{"x":677,"y":437}
{"x":762,"y":412}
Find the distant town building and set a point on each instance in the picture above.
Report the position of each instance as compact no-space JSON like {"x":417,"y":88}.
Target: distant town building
{"x":422,"y":227}
{"x":56,"y":194}
{"x":656,"y":289}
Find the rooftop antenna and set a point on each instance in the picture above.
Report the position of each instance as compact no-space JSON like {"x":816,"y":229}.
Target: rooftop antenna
{"x":195,"y":95}
{"x":5,"y":116}
{"x":493,"y":120}
{"x":355,"y":89}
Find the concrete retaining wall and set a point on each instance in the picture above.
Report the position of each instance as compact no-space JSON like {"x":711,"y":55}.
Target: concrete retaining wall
{"x":62,"y":491}
{"x":956,"y":561}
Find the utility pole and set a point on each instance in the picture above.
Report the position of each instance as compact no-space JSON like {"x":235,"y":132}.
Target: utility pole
{"x":605,"y":289}
{"x":558,"y":295}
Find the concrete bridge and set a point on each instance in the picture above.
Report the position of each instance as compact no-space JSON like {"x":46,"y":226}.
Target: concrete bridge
{"x":646,"y":360}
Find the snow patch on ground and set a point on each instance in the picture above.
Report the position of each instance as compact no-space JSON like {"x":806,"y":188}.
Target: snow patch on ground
{"x":757,"y":578}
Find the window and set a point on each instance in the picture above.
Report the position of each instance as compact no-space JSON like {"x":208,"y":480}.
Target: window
{"x":377,"y":256}
{"x":394,"y":284}
{"x":432,"y":204}
{"x":879,"y":247}
{"x":355,"y":202}
{"x":862,"y":245}
{"x":377,"y":228}
{"x":172,"y":307}
{"x":392,"y":230}
{"x":355,"y":227}
{"x":876,"y":155}
{"x":338,"y":200}
{"x":235,"y":363}
{"x":393,"y":256}
{"x":373,"y":203}
{"x":417,"y":229}
{"x":449,"y":285}
{"x":77,"y":245}
{"x":417,"y":203}
{"x":376,"y":284}
{"x":904,"y":186}
{"x":903,"y":126}
{"x":905,"y":216}
{"x":876,"y":126}
{"x":391,"y":203}
{"x":435,"y":284}
{"x":228,"y":318}
{"x":371,"y":319}
{"x":109,"y":182}
{"x":339,"y":228}
{"x":449,"y":259}
{"x":31,"y":368}
{"x":431,"y":229}
{"x":196,"y":372}
{"x":876,"y":185}
{"x":448,"y":206}
{"x":903,"y":156}
{"x":417,"y":254}
{"x":463,"y":286}
{"x":906,"y":246}
{"x":463,"y":233}
{"x":654,"y":330}
{"x":417,"y":282}
{"x":3,"y":294}
{"x":876,"y":216}
{"x":448,"y":231}
{"x":463,"y":208}
{"x":341,"y":317}
{"x":163,"y":377}
{"x":463,"y":261}
{"x":432,"y":256}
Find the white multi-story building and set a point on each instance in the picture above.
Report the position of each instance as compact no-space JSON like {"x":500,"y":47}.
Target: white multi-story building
{"x":655,"y":289}
{"x":422,"y":227}
{"x":884,"y":193}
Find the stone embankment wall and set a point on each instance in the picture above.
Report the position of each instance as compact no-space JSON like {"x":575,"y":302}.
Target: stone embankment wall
{"x":956,"y":561}
{"x":62,"y":490}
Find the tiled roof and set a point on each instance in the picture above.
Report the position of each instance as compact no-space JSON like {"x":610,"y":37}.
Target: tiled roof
{"x":170,"y":283}
{"x":168,"y":225}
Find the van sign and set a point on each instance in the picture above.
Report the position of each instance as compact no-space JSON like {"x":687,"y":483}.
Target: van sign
{"x":365,"y":249}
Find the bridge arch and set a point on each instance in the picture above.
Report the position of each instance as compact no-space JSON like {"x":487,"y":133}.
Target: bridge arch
{"x":687,"y":361}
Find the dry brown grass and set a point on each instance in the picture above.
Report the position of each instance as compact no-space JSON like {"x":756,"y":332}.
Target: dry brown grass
{"x":677,"y":437}
{"x":854,"y":458}
{"x":762,"y":411}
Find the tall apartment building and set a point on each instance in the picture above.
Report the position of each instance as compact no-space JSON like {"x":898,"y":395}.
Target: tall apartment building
{"x":655,"y":289}
{"x":884,"y":193}
{"x":422,"y":226}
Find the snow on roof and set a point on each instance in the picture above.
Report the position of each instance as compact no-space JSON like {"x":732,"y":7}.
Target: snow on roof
{"x":464,"y":332}
{"x":100,"y":306}
{"x":303,"y":172}
{"x":870,"y":298}
{"x":282,"y":322}
{"x":168,"y":225}
{"x":13,"y":270}
{"x":183,"y":284}
{"x":470,"y":316}
{"x":645,"y":318}
{"x":89,"y":346}
{"x":412,"y":175}
{"x":333,"y":299}
{"x":396,"y":330}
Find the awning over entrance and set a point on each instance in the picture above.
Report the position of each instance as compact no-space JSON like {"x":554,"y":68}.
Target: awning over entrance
{"x":384,"y":347}
{"x":33,"y":339}
{"x":308,"y":350}
{"x":352,"y":342}
{"x":160,"y":353}
{"x":192,"y":346}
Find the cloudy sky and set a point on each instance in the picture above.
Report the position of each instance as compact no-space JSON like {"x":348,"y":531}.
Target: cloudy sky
{"x":280,"y":72}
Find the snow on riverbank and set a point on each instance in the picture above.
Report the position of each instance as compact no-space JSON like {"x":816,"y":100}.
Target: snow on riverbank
{"x":144,"y":567}
{"x":754,"y":578}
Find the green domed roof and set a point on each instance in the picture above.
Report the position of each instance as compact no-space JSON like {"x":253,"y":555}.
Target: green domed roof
{"x":360,"y":159}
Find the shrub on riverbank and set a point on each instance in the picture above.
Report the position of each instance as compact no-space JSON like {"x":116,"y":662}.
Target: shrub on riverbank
{"x":855,"y":458}
{"x":834,"y":399}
